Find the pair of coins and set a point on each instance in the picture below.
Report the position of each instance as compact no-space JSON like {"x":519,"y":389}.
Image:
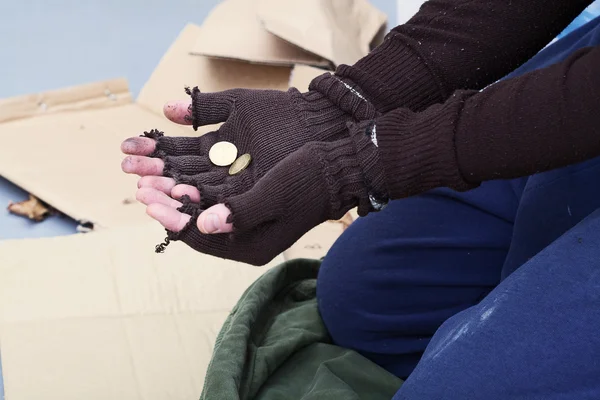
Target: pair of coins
{"x":224,"y":154}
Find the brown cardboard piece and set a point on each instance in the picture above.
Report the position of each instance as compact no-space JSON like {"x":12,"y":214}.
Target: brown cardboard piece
{"x":178,"y":69}
{"x":302,"y":75}
{"x":98,"y":316}
{"x":233,"y":31}
{"x":341,"y":31}
{"x":71,"y":161}
{"x":311,"y":32}
{"x":75,"y":137}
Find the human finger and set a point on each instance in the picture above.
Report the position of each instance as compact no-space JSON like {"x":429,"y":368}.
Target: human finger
{"x":162,"y":183}
{"x":202,"y":109}
{"x":138,"y":146}
{"x":214,"y":220}
{"x":179,"y":191}
{"x":152,"y":196}
{"x":168,"y":217}
{"x":142,"y":166}
{"x":179,"y":111}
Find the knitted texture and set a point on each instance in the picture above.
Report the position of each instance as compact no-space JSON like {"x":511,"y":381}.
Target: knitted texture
{"x":418,"y":150}
{"x":267,"y":124}
{"x":456,"y":44}
{"x":318,"y":182}
{"x":540,"y":121}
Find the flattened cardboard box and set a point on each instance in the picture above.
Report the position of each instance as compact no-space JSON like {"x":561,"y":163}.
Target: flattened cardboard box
{"x":341,"y":31}
{"x":97,"y":316}
{"x":286,"y":32}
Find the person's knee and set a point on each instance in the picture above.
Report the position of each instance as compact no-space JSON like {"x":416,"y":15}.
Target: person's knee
{"x":370,"y":294}
{"x":373,"y":305}
{"x":392,"y":278}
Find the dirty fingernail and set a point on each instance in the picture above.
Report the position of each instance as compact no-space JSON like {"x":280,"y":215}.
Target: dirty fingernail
{"x":211,"y":223}
{"x":177,"y":111}
{"x":126,"y":164}
{"x":128,"y":145}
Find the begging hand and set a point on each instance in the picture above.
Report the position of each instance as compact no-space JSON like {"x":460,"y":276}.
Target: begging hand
{"x":290,"y":138}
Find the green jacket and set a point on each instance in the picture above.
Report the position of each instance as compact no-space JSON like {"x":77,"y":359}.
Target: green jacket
{"x":274,"y":346}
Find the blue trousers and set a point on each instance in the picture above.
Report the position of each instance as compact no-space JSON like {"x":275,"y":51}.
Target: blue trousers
{"x":488,"y":294}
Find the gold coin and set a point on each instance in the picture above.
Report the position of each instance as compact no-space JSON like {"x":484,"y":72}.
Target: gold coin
{"x":222,"y":154}
{"x":240,"y":164}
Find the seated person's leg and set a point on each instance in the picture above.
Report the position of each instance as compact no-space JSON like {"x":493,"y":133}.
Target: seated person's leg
{"x":395,"y":276}
{"x":534,"y":337}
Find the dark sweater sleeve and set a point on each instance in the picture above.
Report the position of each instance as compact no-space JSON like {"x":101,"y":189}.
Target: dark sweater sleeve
{"x":545,"y":119}
{"x":457,"y":44}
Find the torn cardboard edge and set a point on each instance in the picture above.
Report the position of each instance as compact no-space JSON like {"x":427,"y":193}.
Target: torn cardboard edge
{"x":32,"y":208}
{"x":323,"y":33}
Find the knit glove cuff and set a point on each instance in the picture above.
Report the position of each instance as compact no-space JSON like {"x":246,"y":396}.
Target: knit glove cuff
{"x":418,"y":151}
{"x":346,"y":95}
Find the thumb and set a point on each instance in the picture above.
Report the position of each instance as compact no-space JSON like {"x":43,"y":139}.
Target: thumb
{"x":214,"y":220}
{"x":203,"y":108}
{"x":179,"y":111}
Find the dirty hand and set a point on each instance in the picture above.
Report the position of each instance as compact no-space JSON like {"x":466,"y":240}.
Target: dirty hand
{"x":318,"y":182}
{"x":267,"y":124}
{"x":270,"y":126}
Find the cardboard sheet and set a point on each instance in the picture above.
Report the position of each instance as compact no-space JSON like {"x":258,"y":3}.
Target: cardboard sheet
{"x":72,"y":161}
{"x":286,"y":32}
{"x":316,"y":243}
{"x":99,"y":316}
{"x":233,"y":31}
{"x":178,"y":69}
{"x":341,"y":31}
{"x":302,"y":75}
